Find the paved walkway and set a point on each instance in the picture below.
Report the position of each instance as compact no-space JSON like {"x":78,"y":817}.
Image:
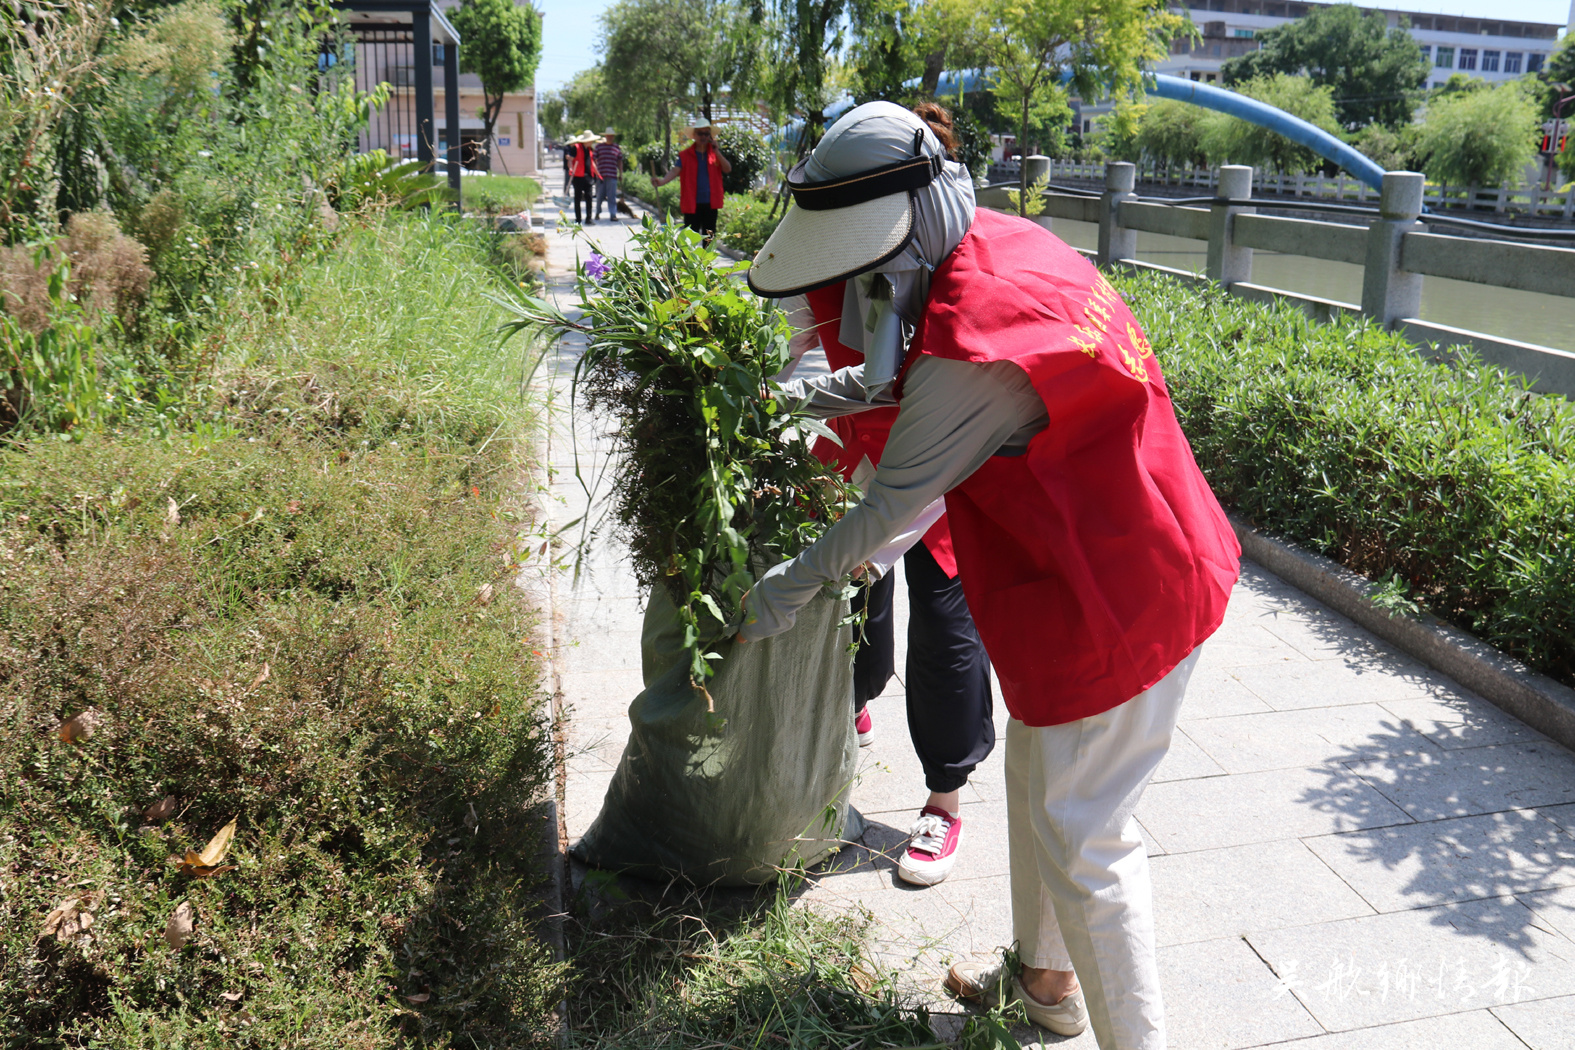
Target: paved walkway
{"x":1349,"y":851}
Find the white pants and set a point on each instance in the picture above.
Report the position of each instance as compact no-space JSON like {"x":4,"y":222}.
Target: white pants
{"x":1081,"y":898}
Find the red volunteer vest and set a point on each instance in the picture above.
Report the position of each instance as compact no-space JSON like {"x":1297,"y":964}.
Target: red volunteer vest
{"x":1097,"y":561}
{"x":863,"y":433}
{"x":688,"y":173}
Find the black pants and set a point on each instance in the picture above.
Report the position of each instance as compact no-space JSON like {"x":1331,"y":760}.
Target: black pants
{"x":702,"y":220}
{"x":950,"y":703}
{"x":582,"y":192}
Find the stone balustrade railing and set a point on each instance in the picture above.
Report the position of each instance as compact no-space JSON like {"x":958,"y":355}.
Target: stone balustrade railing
{"x":1397,"y":251}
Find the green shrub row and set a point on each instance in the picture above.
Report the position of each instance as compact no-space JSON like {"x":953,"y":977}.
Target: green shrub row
{"x":1454,"y":486}
{"x":743,"y":225}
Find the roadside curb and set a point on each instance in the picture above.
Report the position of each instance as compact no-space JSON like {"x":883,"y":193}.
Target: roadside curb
{"x":1535,"y":699}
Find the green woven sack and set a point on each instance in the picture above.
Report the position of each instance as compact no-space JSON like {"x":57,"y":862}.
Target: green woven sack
{"x":733,"y":799}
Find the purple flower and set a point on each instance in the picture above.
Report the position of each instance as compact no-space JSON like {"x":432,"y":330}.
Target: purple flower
{"x":596,"y":267}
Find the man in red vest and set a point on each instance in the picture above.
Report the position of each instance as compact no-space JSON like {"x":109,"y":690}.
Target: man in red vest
{"x":700,"y":169}
{"x":1094,"y":557}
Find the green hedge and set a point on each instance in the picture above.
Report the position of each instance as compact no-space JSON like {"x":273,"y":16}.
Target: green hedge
{"x":743,"y":225}
{"x":1455,"y":487}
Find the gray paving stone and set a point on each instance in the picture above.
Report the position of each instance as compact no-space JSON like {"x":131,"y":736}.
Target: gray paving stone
{"x":1556,"y":908}
{"x":1462,"y":721}
{"x":1421,"y":865}
{"x":1305,"y":737}
{"x":1433,"y":784}
{"x":1543,"y":1024}
{"x":1219,"y":996}
{"x":607,"y":650}
{"x":1218,"y":893}
{"x":1404,"y":965}
{"x":1214,"y":812}
{"x":1245,"y":644}
{"x":1154,"y":848}
{"x":584,"y":791}
{"x":1217,"y":693}
{"x":601,"y":694}
{"x":930,"y":928}
{"x":1185,"y":761}
{"x":1473,"y":1030}
{"x":1330,"y":683}
{"x":1563,"y":816}
{"x":1319,"y":633}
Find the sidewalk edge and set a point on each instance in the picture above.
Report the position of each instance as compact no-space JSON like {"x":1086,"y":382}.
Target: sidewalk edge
{"x":1535,"y":699}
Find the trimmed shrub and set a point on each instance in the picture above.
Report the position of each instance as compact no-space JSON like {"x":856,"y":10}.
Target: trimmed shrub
{"x":1453,"y":485}
{"x":746,"y":221}
{"x":747,"y":152}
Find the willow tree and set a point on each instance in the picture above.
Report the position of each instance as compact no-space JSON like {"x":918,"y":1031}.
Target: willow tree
{"x":1027,"y":45}
{"x":500,"y":41}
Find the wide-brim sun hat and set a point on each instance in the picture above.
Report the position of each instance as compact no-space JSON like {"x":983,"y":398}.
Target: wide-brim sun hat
{"x":862,"y":215}
{"x":609,"y":131}
{"x":586,"y":137}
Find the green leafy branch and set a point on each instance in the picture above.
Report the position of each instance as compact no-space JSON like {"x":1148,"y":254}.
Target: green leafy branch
{"x":712,"y":478}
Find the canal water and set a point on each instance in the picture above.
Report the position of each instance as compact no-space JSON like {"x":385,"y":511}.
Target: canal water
{"x":1547,"y":320}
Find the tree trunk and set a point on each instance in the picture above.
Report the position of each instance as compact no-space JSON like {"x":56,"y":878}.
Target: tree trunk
{"x":1022,"y":161}
{"x":934,"y":66}
{"x":667,"y":136}
{"x":705,"y":102}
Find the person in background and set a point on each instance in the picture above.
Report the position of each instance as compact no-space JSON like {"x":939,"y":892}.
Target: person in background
{"x":1094,"y":558}
{"x":582,"y":166}
{"x":568,"y":173}
{"x":700,"y":168}
{"x":609,"y":166}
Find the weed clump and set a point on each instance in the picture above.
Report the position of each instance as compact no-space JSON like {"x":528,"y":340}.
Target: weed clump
{"x":294,"y":612}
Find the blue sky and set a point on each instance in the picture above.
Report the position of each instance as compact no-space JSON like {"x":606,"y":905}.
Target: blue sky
{"x":570,"y":27}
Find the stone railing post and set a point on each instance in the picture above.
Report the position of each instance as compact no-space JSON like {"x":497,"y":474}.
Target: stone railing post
{"x":1388,"y":292}
{"x":1114,"y":241}
{"x":1227,"y":263}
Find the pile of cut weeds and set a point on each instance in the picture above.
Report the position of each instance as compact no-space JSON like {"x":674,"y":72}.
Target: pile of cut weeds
{"x":297,"y":614}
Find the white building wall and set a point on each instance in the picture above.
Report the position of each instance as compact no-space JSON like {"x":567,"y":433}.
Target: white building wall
{"x":1492,"y":57}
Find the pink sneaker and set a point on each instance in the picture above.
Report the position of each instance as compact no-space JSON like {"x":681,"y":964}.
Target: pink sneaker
{"x":866,"y":728}
{"x":932,"y":850}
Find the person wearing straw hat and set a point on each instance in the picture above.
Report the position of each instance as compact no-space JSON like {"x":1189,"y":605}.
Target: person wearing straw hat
{"x":1093,"y":555}
{"x":700,"y":169}
{"x":609,"y":166}
{"x":582,"y":166}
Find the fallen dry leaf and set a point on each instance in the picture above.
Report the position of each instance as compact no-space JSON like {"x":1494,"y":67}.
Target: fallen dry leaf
{"x":161,"y":810}
{"x":207,"y":863}
{"x":262,"y":676}
{"x":293,"y":507}
{"x":80,"y":727}
{"x":70,"y":920}
{"x":863,"y":980}
{"x":233,"y":997}
{"x":179,"y":929}
{"x":171,"y":513}
{"x":484,"y":595}
{"x":419,"y":997}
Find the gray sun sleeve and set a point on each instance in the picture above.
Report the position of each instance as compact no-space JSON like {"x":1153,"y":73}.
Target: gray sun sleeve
{"x":954,"y":415}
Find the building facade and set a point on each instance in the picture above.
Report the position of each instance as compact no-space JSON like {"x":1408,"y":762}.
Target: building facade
{"x":512,"y":150}
{"x":1490,"y":48}
{"x":386,"y":54}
